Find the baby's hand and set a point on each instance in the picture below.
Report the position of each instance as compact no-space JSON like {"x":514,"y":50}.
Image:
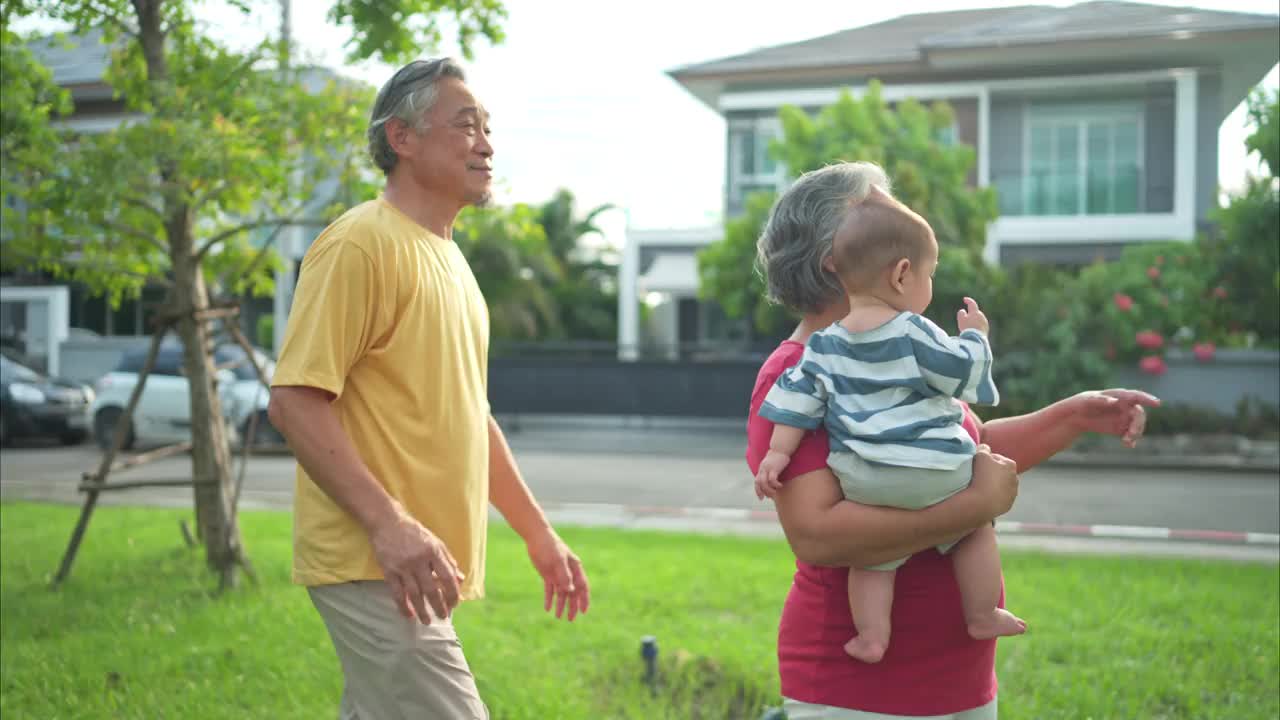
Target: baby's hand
{"x":767,"y":482}
{"x":971,"y":317}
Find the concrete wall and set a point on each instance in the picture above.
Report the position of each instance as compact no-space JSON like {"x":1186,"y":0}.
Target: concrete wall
{"x":1219,"y":384}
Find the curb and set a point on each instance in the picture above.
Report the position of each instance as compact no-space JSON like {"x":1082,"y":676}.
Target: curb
{"x":1126,"y":532}
{"x":1171,"y":462}
{"x":1128,"y":460}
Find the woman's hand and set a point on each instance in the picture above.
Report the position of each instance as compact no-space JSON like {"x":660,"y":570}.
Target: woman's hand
{"x":995,"y":479}
{"x":1112,"y":412}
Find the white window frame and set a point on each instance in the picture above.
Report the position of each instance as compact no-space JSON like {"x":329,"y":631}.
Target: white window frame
{"x":767,"y":127}
{"x":1081,"y":115}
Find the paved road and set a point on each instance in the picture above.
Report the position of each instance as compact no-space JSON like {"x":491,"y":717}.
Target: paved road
{"x":701,"y":466}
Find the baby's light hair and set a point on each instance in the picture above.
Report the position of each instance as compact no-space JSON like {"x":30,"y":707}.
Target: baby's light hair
{"x":876,"y":233}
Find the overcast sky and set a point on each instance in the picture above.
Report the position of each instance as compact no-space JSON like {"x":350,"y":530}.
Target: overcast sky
{"x":580,"y":98}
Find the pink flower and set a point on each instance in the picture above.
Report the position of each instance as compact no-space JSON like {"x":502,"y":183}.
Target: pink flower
{"x":1110,"y":352}
{"x":1220,"y":293}
{"x":1149,"y":339}
{"x":1153,"y":365}
{"x":1159,"y":259}
{"x":1153,"y":272}
{"x":1203,"y":351}
{"x":1124,"y":302}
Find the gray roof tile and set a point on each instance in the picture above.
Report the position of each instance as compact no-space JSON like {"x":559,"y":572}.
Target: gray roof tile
{"x":909,"y":37}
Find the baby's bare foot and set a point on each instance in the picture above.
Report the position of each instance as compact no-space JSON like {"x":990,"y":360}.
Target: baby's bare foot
{"x":865,"y":649}
{"x":1000,"y":623}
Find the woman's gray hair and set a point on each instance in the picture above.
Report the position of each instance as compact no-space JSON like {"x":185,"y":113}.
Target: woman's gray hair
{"x":798,"y":236}
{"x":407,"y":96}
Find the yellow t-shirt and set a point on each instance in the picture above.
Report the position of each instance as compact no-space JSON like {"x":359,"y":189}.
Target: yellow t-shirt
{"x":389,"y":318}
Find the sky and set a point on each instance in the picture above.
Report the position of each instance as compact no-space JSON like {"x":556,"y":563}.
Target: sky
{"x":580,"y":98}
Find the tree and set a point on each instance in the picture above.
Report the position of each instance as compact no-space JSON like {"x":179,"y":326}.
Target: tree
{"x":727,"y":269}
{"x":169,"y":196}
{"x":587,"y":294}
{"x":514,"y":267}
{"x":1245,"y":250}
{"x":929,"y":174}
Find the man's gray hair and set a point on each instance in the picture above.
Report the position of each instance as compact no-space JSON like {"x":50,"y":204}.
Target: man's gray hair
{"x":407,"y":96}
{"x":798,"y":235}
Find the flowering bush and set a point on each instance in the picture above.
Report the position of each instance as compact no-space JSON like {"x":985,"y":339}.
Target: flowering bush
{"x":1154,"y":298}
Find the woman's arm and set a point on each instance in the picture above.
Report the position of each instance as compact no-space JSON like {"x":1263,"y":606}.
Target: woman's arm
{"x":824,"y":529}
{"x":1031,"y":439}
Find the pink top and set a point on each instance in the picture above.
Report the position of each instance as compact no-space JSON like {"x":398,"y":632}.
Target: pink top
{"x":932,"y":666}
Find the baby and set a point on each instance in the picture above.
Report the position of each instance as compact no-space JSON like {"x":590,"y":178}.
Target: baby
{"x":884,"y":381}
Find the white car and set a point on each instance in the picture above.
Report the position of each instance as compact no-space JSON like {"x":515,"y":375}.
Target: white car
{"x":163,"y":415}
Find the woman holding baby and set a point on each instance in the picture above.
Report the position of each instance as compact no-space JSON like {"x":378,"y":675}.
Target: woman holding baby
{"x":933,"y":667}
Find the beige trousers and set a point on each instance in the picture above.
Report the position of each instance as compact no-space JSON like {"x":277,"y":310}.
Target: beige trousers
{"x":395,"y":668}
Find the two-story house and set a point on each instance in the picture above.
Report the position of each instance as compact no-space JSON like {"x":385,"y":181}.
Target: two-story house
{"x":1097,"y":124}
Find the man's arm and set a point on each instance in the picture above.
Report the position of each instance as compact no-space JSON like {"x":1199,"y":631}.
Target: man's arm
{"x":415,"y":563}
{"x":825,"y":529}
{"x":563,"y":577}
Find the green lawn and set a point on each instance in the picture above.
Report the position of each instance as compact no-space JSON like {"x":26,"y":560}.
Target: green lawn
{"x":136,"y":633}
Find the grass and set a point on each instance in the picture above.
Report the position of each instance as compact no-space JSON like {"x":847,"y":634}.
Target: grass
{"x":136,"y":633}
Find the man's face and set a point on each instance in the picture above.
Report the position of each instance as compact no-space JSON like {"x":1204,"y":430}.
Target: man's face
{"x":452,"y":158}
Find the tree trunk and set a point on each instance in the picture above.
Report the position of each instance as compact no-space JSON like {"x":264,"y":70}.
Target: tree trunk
{"x":210,"y":450}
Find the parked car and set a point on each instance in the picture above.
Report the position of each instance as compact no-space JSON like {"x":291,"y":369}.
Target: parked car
{"x":32,"y":405}
{"x":163,"y":415}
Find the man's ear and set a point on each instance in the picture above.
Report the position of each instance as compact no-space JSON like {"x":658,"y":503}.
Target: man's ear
{"x":898,"y":275}
{"x":399,"y":135}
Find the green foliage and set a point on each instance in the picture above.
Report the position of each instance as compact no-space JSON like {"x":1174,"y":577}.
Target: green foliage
{"x":1245,"y":251}
{"x":396,"y":31}
{"x":1041,"y":350}
{"x":587,"y":295}
{"x":265,"y":332}
{"x":1170,"y":293}
{"x":509,"y":255}
{"x":727,"y":270}
{"x":211,"y":153}
{"x":928,"y":175}
{"x":222,"y":142}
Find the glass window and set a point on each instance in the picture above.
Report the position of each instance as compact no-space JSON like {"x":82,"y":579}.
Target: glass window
{"x":751,"y":164}
{"x":1079,"y":163}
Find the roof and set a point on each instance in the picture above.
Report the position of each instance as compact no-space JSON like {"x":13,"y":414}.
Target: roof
{"x":73,"y":59}
{"x":1097,"y":21}
{"x":909,"y":38}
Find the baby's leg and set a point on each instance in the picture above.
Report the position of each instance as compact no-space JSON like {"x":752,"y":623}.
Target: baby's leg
{"x":870,"y":599}
{"x":977,"y":565}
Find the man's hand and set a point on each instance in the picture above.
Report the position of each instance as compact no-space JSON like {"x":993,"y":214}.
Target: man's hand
{"x":995,"y":478}
{"x":1112,"y":412}
{"x":971,"y":317}
{"x":767,"y":477}
{"x":418,"y":568}
{"x":563,"y":579}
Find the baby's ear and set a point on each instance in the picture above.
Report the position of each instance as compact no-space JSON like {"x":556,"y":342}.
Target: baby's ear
{"x":829,"y":263}
{"x":900,"y":271}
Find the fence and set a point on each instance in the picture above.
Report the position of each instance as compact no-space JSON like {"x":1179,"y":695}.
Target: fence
{"x":704,"y":381}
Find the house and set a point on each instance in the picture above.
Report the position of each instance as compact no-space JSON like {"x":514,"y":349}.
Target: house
{"x":1097,"y":123}
{"x":39,"y":314}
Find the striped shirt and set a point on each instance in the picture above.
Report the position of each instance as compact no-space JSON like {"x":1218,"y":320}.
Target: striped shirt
{"x":888,"y":394}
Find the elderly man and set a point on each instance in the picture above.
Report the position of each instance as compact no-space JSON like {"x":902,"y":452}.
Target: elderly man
{"x":380,"y":391}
